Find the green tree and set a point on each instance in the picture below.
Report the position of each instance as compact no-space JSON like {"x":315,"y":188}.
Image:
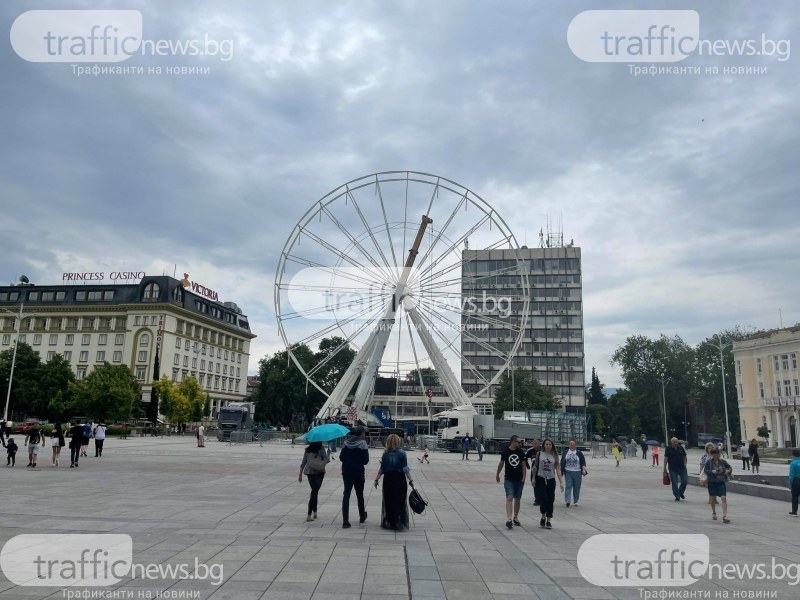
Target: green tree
{"x":333,"y":359}
{"x":528,"y":393}
{"x":283,"y":390}
{"x":598,"y":413}
{"x":430,"y":377}
{"x":644,"y":362}
{"x":54,"y":380}
{"x":207,"y":406}
{"x":165,"y":390}
{"x":763,"y":432}
{"x":107,"y":393}
{"x":24,"y":388}
{"x":596,"y":394}
{"x":180,"y":402}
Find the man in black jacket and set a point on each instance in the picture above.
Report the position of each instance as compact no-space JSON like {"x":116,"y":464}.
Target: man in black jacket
{"x":354,"y":455}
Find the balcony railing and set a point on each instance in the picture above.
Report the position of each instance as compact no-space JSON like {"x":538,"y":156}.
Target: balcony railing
{"x":785,"y":401}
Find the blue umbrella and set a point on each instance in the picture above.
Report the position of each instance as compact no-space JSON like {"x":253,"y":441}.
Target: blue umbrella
{"x":653,"y":443}
{"x":326,"y":433}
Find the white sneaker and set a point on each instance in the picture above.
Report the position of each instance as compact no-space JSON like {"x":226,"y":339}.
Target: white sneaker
{"x":576,"y":504}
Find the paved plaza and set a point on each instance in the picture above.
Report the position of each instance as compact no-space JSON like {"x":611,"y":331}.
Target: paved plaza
{"x":242,"y":507}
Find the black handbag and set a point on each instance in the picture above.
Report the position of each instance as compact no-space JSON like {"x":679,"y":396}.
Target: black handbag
{"x":417,"y":502}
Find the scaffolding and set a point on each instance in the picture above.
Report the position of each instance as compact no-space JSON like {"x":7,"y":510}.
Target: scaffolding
{"x":559,"y":426}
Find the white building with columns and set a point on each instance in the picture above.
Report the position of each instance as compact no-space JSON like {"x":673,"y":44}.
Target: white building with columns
{"x":768,"y":385}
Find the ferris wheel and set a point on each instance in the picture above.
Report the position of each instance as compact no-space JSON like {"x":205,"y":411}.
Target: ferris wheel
{"x":401,"y":268}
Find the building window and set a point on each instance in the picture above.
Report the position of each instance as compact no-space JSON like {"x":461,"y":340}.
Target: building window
{"x":81,"y":373}
{"x":785,"y":362}
{"x":738,"y":367}
{"x":51,"y":355}
{"x":194,"y":363}
{"x":202,"y":364}
{"x":210,"y":366}
{"x":140,"y":371}
{"x":53,"y":339}
{"x":217,"y":368}
{"x":119,"y":339}
{"x":101,"y":356}
{"x":33,"y":296}
{"x":760,"y":389}
{"x":48,"y":296}
{"x":22,"y":338}
{"x":178,"y":343}
{"x":776,"y":363}
{"x":70,"y":339}
{"x":6,"y":339}
{"x":741,"y":393}
{"x":226,"y":355}
{"x":794,"y":361}
{"x":778,"y":389}
{"x":144,"y":340}
{"x":758,"y":366}
{"x":137,"y":320}
{"x":108,"y":295}
{"x":151,"y":292}
{"x":787,"y":387}
{"x":185,"y":361}
{"x":224,"y":369}
{"x":187,"y":344}
{"x":204,"y":349}
{"x":84,"y":356}
{"x":142,"y":356}
{"x":86,"y":339}
{"x":117,"y":356}
{"x":796,"y":388}
{"x":37,"y":339}
{"x":102,"y":339}
{"x":176,"y":360}
{"x":61,"y":295}
{"x":177,"y":294}
{"x":202,"y":379}
{"x":219,"y":352}
{"x":68,"y":356}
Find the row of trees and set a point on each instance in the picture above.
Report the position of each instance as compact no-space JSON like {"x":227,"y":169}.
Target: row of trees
{"x":49,"y":389}
{"x":182,"y":402}
{"x":689,"y":374}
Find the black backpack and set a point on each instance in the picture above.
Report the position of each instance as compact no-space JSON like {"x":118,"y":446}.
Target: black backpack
{"x":416,"y":502}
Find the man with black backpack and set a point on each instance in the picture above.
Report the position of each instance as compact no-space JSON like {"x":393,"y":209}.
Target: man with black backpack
{"x":33,"y":440}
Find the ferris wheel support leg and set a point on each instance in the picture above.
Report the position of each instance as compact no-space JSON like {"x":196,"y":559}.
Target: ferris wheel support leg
{"x":339,"y":394}
{"x":365,"y":386}
{"x":449,"y":380}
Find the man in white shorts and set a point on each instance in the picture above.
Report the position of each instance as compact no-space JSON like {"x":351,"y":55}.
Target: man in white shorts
{"x":33,"y":440}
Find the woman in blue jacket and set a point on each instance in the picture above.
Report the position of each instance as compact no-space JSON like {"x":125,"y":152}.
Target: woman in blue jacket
{"x":395,"y":472}
{"x":573,"y":466}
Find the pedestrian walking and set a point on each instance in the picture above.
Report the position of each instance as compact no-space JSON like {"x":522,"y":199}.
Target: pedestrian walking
{"x":3,"y":432}
{"x":643,"y":444}
{"x":33,"y":440}
{"x":616,"y":451}
{"x":315,"y":457}
{"x":530,"y":459}
{"x":547,"y":469}
{"x":11,"y":452}
{"x":354,"y":455}
{"x":717,"y":473}
{"x":201,"y":437}
{"x":654,"y":451}
{"x":745,"y":450}
{"x":675,"y":459}
{"x":76,"y":439}
{"x":99,"y":439}
{"x":512,"y":459}
{"x":755,"y":460}
{"x":479,"y":445}
{"x":396,"y":477}
{"x":794,"y":479}
{"x":57,"y":442}
{"x":87,"y":435}
{"x":706,"y":457}
{"x":573,"y":466}
{"x":465,"y":442}
{"x":424,"y":458}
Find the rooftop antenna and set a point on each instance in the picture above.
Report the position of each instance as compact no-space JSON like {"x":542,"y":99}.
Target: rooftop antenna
{"x":541,"y":238}
{"x":780,"y":314}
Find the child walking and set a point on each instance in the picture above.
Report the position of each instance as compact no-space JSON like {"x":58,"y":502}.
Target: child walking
{"x":11,"y":449}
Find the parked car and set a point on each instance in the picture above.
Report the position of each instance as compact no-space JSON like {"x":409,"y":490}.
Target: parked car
{"x":27,"y":425}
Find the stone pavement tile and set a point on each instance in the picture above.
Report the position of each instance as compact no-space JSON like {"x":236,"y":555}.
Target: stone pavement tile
{"x":451,"y":558}
{"x":385,"y":560}
{"x":297,"y":577}
{"x":557,"y":568}
{"x":589,"y":593}
{"x":384,"y":596}
{"x":459,"y":572}
{"x":255,"y":575}
{"x":293,"y":587}
{"x":422,"y":572}
{"x":500,"y":574}
{"x":465,"y":590}
{"x":428,"y":589}
{"x":549,"y":592}
{"x":326,"y":596}
{"x":392,"y":577}
{"x":352,"y":587}
{"x":502,"y":587}
{"x":268,"y":595}
{"x":380,"y":588}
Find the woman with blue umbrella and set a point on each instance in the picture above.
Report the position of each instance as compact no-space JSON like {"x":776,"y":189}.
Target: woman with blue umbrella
{"x":315,"y":459}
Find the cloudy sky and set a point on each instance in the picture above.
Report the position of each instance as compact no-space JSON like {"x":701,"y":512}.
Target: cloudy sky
{"x":681,"y":190}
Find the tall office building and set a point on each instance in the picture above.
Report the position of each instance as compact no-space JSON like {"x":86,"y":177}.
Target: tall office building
{"x":552,"y":345}
{"x":90,"y":322}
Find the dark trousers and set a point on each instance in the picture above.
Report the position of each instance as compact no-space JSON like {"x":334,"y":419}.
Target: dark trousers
{"x":353,"y":482}
{"x":546,"y":495}
{"x":684,"y":476}
{"x":795,"y":493}
{"x":315,"y":481}
{"x":12,"y":459}
{"x":74,"y":454}
{"x":98,"y":447}
{"x":746,"y":462}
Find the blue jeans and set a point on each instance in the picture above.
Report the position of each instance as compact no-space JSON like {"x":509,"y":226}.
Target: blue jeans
{"x":684,"y":475}
{"x":573,"y":487}
{"x":513,"y":488}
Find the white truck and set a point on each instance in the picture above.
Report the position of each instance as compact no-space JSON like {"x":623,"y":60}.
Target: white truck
{"x":454,"y":424}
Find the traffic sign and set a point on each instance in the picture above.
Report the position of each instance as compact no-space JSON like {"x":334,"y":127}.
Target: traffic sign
{"x":430,"y":393}
{"x":352,"y":414}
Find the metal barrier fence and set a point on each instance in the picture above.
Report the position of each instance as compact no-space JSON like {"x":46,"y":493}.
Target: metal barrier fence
{"x":240,"y":437}
{"x":600,"y":449}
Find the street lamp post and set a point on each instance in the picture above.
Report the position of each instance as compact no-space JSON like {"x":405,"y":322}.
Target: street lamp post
{"x":513,"y":402}
{"x":19,"y":316}
{"x":721,"y":347}
{"x":664,"y":406}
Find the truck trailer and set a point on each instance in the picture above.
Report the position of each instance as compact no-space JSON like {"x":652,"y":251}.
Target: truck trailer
{"x":454,"y":424}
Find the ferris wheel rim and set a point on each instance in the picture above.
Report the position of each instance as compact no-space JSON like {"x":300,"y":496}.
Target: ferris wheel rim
{"x":417,"y":177}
